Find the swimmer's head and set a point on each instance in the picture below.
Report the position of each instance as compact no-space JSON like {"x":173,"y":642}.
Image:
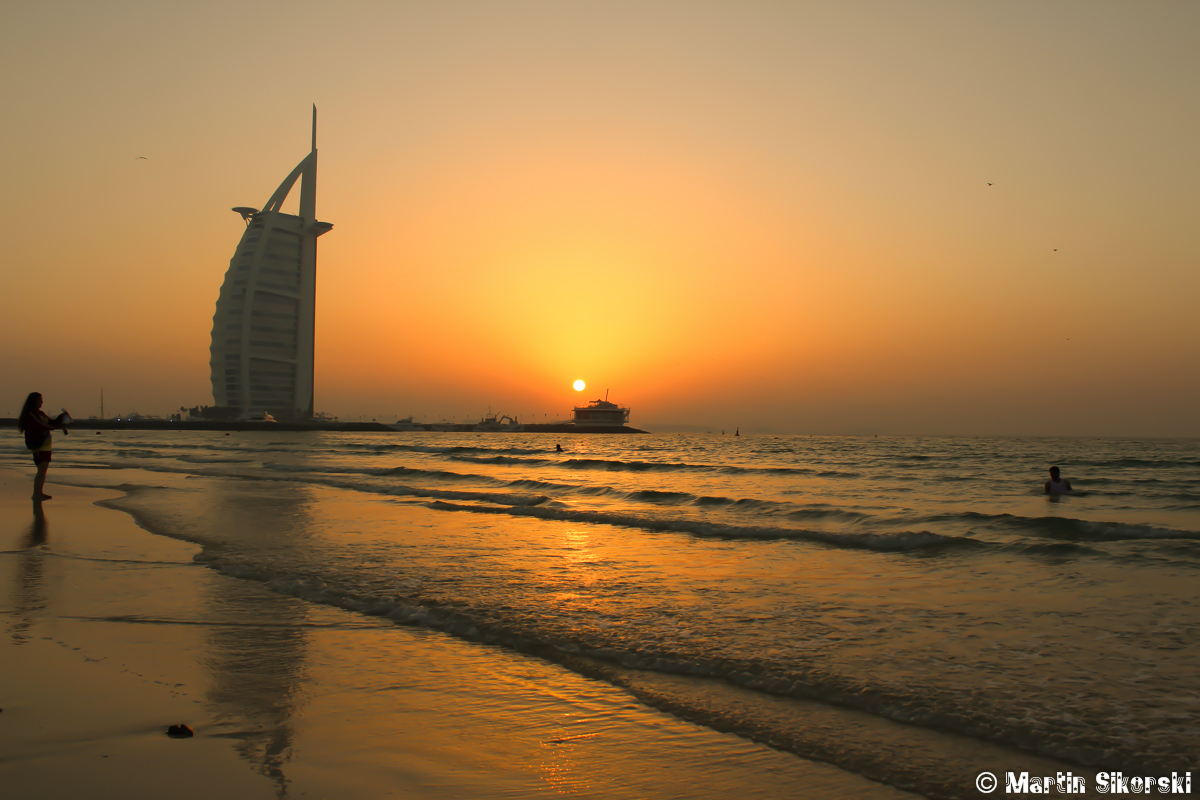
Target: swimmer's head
{"x":1054,"y":472}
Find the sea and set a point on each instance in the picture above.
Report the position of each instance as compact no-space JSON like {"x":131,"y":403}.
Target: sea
{"x":913,"y":610}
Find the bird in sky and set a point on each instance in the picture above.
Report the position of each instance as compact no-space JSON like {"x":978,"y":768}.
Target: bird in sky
{"x":989,"y":184}
{"x":143,"y":158}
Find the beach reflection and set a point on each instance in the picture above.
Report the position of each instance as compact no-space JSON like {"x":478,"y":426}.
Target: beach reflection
{"x":256,"y":654}
{"x":30,"y":595}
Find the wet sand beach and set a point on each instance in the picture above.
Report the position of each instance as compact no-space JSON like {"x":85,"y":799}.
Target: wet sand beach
{"x":111,"y":634}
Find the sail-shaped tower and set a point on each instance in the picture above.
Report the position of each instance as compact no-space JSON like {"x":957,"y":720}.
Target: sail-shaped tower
{"x":262,"y":335}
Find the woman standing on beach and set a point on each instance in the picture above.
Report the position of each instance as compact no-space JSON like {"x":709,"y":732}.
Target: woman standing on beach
{"x":36,"y":426}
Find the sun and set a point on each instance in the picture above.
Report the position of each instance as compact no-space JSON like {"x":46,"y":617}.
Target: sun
{"x":580,"y":386}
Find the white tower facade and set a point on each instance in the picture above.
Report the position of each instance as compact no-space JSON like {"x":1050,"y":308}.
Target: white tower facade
{"x":263,"y":329}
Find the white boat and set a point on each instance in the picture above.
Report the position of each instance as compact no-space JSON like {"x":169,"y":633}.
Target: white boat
{"x":601,"y":413}
{"x":407,"y":424}
{"x":256,"y":416}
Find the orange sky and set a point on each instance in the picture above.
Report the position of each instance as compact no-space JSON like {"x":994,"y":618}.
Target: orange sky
{"x":772,"y":215}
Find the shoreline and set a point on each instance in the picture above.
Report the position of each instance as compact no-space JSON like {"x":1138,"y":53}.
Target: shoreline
{"x":84,"y":716}
{"x":114,"y":633}
{"x":341,"y":427}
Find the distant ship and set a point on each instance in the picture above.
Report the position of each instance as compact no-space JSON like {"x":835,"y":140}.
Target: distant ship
{"x":601,"y":413}
{"x":492,"y":423}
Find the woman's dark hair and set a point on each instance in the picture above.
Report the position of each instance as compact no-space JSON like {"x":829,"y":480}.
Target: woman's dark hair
{"x":30,"y":405}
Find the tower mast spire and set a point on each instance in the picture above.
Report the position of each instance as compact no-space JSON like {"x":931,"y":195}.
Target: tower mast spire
{"x":314,"y":132}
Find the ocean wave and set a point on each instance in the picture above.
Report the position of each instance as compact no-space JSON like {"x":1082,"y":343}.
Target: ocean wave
{"x":430,"y":449}
{"x":778,"y":508}
{"x":199,"y":447}
{"x":142,"y":619}
{"x":1065,"y":528}
{"x":744,"y":502}
{"x":332,"y":481}
{"x":711,"y":500}
{"x":626,"y":466}
{"x":562,"y":488}
{"x":1117,"y":531}
{"x":86,"y":465}
{"x":662,"y":497}
{"x":923,"y":709}
{"x":501,"y":499}
{"x":215,"y":459}
{"x":620,"y":465}
{"x":1055,"y":549}
{"x":132,"y":452}
{"x":496,"y":459}
{"x":828,"y":513}
{"x":511,"y":451}
{"x":114,"y":442}
{"x":884,"y":542}
{"x":331,"y":469}
{"x":1142,"y":463}
{"x":665,"y":497}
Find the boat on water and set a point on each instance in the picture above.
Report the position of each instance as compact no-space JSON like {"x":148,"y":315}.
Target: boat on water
{"x":501,"y":423}
{"x":601,"y":413}
{"x":256,"y":416}
{"x":407,"y":424}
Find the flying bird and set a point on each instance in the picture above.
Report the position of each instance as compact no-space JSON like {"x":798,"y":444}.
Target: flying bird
{"x":989,"y":184}
{"x":143,"y":158}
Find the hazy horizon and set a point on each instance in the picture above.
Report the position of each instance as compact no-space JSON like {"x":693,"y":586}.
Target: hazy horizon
{"x":787,"y":217}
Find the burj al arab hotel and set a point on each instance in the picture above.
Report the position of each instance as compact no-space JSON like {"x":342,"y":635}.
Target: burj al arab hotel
{"x":262,"y":335}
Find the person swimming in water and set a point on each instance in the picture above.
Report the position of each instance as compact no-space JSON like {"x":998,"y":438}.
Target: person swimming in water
{"x":1056,"y":484}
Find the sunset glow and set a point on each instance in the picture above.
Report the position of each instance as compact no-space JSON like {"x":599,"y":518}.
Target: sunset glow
{"x":883,"y":481}
{"x":788,"y":217}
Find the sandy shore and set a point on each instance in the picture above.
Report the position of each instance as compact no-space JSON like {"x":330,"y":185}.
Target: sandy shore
{"x":111,"y":634}
{"x":86,"y":704}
